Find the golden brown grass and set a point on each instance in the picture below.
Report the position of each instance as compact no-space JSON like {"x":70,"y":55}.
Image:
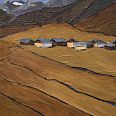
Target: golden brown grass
{"x":25,"y":74}
{"x":57,"y":30}
{"x":98,"y":60}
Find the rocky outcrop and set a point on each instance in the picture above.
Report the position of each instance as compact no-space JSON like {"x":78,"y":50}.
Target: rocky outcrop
{"x":4,"y":17}
{"x":55,"y":3}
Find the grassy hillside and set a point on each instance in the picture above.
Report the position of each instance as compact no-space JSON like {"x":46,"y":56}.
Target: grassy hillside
{"x":104,"y":22}
{"x":39,"y":85}
{"x":5,"y":31}
{"x":98,"y":60}
{"x":57,"y":30}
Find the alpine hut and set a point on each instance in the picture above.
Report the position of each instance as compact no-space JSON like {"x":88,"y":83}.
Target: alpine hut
{"x":58,"y":42}
{"x":70,"y":43}
{"x":43,"y":43}
{"x":80,"y":45}
{"x":89,"y":44}
{"x":98,"y":43}
{"x":26,"y":41}
{"x":110,"y":47}
{"x":114,"y":42}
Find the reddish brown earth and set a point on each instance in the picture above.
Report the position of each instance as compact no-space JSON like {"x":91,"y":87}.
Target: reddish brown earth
{"x":103,"y":22}
{"x":32,"y":84}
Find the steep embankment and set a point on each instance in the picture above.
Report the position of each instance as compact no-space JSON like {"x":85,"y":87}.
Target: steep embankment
{"x":103,"y":22}
{"x":9,"y":30}
{"x":47,"y":87}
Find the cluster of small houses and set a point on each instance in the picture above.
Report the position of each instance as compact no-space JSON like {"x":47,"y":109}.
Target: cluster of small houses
{"x":71,"y":43}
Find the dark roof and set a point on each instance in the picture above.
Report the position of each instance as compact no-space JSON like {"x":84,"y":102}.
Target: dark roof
{"x":58,"y":40}
{"x":98,"y":41}
{"x":88,"y":42}
{"x":71,"y":40}
{"x":25,"y":40}
{"x":79,"y":44}
{"x":113,"y":41}
{"x":43,"y":40}
{"x":109,"y":45}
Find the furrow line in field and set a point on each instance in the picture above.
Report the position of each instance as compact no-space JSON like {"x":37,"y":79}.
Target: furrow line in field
{"x":19,"y":102}
{"x":65,"y":84}
{"x":33,"y":88}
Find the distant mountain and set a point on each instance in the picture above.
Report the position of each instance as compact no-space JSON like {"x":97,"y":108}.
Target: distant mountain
{"x":58,"y":11}
{"x":103,"y":22}
{"x":71,"y":13}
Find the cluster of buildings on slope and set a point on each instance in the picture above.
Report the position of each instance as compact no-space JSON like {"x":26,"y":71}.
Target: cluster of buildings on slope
{"x":71,"y":43}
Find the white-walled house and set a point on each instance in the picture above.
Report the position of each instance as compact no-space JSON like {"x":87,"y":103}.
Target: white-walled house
{"x":26,"y":41}
{"x":70,"y":43}
{"x":80,"y":45}
{"x":110,"y":47}
{"x":43,"y":43}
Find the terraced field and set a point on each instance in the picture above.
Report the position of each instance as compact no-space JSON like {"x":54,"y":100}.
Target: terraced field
{"x":37,"y":85}
{"x":59,"y":80}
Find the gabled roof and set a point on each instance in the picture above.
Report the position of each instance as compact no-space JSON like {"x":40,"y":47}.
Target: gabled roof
{"x":110,"y":45}
{"x":58,"y":40}
{"x":88,"y":42}
{"x":98,"y":41}
{"x":43,"y":40}
{"x":76,"y":44}
{"x":25,"y":40}
{"x":71,"y":40}
{"x":113,"y":41}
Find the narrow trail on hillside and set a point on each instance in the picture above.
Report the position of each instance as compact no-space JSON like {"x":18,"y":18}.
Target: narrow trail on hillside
{"x":67,"y":85}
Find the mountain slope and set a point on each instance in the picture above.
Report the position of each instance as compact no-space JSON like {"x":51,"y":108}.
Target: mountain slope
{"x":93,"y":8}
{"x":96,"y":60}
{"x":26,"y":99}
{"x":71,"y":13}
{"x":103,"y":22}
{"x":4,"y":17}
{"x":48,"y":87}
{"x":55,"y":3}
